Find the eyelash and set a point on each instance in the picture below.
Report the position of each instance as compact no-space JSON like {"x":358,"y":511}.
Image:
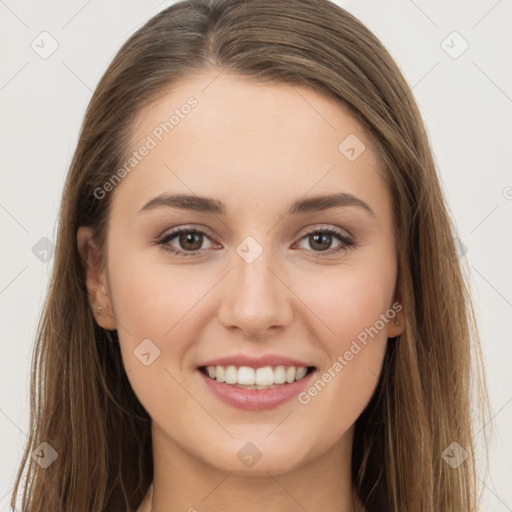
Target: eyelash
{"x":165,"y":239}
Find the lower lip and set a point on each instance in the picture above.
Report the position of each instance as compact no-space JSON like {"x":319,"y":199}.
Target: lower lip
{"x":256,"y":399}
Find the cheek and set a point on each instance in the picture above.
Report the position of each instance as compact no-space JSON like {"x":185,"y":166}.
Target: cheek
{"x":349,"y":303}
{"x":352,"y":310}
{"x":149,"y":297}
{"x":155,"y":310}
{"x":157,"y":303}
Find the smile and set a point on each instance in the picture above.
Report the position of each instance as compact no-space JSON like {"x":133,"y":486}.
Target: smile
{"x":256,"y":389}
{"x":266,"y":377}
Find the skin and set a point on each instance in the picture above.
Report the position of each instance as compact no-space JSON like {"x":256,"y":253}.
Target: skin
{"x":256,"y":148}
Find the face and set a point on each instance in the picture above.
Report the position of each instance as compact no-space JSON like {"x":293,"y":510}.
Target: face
{"x":263,"y":278}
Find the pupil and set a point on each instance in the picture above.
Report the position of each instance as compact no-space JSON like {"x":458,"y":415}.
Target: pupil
{"x":187,"y":238}
{"x":326,"y":237}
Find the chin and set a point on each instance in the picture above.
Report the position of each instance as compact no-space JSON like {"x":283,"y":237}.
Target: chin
{"x":257,"y":457}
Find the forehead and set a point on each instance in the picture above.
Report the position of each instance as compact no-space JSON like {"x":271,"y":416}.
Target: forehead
{"x":230,"y":137}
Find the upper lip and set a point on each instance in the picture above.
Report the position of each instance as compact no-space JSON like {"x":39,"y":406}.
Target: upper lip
{"x":255,"y":362}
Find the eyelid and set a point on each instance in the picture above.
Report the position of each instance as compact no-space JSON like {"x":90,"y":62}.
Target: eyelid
{"x":185,"y":227}
{"x":327,"y":227}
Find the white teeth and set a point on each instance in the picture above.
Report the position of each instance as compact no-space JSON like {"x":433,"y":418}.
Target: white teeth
{"x":231,"y":375}
{"x":246,"y":376}
{"x":301,"y":372}
{"x":264,"y":376}
{"x":280,"y":375}
{"x":256,"y":378}
{"x":290,"y":374}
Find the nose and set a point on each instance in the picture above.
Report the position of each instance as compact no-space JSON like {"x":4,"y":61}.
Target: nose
{"x":256,"y":299}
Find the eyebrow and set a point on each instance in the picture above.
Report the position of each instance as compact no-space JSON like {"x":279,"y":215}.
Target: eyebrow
{"x":214,"y":206}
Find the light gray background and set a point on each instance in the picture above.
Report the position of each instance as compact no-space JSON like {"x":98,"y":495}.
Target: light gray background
{"x":466,"y":103}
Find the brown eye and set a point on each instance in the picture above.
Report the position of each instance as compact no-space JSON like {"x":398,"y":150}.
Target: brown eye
{"x":190,"y":240}
{"x":321,"y":240}
{"x":185,"y":242}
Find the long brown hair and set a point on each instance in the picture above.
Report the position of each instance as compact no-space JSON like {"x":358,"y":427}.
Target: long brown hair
{"x":82,"y":404}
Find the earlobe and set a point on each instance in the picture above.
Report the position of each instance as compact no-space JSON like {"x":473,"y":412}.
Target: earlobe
{"x":397,"y":326}
{"x":95,"y":279}
{"x":397,"y":321}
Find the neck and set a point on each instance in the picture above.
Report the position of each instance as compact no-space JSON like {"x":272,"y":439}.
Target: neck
{"x":182,"y":482}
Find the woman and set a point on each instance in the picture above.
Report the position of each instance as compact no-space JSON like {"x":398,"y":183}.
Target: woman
{"x":256,"y":299}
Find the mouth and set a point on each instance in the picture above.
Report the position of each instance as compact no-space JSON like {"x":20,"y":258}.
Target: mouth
{"x":265,"y":377}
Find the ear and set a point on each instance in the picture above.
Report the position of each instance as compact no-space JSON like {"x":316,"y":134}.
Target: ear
{"x":96,"y":279}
